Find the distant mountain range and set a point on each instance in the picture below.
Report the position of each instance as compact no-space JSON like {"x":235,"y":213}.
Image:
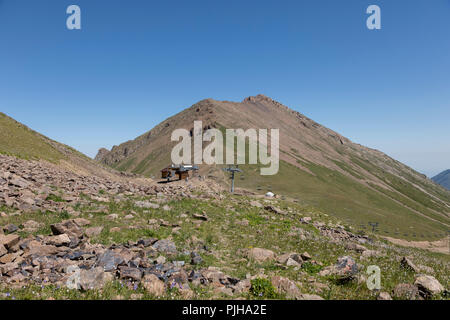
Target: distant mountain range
{"x":443,"y":179}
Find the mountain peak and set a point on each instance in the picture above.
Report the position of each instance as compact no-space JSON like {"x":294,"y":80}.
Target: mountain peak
{"x":261,"y":98}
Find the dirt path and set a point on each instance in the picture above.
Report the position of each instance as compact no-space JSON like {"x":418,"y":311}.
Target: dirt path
{"x":441,"y":246}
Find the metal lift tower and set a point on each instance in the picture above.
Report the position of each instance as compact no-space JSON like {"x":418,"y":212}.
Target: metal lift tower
{"x":233,"y":170}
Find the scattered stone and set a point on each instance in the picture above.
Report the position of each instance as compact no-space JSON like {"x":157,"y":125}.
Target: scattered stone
{"x":261,"y":255}
{"x":370,"y":253}
{"x":59,"y":240}
{"x":305,"y":220}
{"x":112,"y":216}
{"x":344,"y":270}
{"x":92,"y":279}
{"x":304,"y":296}
{"x":30,"y":226}
{"x":146,"y":204}
{"x":196,"y":258}
{"x":428,"y":285}
{"x":9,"y":240}
{"x":130,"y":273}
{"x":161,"y":260}
{"x":243,"y":222}
{"x":355,"y":247}
{"x":10,"y":228}
{"x":82,"y":222}
{"x":153,"y":285}
{"x":68,"y":227}
{"x":165,"y":246}
{"x":292,"y":263}
{"x":109,"y":260}
{"x":274,"y":209}
{"x":93,"y":231}
{"x":384,"y":296}
{"x":408,"y":264}
{"x":3,"y":250}
{"x":306,"y":256}
{"x":406,"y":291}
{"x":256,"y":204}
{"x":19,"y":182}
{"x":202,"y":217}
{"x":286,"y":286}
{"x":147,"y":242}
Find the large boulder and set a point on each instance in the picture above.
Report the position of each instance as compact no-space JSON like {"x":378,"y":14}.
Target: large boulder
{"x":428,"y":285}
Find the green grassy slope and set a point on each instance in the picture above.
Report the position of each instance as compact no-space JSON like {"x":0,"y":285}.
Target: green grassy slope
{"x":20,"y":141}
{"x":341,"y":196}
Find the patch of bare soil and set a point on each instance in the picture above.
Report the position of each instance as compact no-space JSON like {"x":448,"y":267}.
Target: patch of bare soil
{"x":441,"y":246}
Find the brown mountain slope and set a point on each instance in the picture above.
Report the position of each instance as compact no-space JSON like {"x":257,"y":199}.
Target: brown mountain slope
{"x":317,"y":166}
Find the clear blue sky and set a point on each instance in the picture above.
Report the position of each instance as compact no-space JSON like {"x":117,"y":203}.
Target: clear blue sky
{"x":135,"y":63}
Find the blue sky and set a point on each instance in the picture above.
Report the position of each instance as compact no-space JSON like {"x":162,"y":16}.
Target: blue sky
{"x":135,"y":63}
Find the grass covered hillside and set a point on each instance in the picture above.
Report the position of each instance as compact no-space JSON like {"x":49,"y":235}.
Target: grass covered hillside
{"x":20,"y":141}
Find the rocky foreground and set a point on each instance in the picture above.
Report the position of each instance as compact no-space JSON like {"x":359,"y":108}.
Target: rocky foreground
{"x":66,"y":235}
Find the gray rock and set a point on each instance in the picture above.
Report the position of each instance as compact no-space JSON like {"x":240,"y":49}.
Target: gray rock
{"x":92,"y":279}
{"x":196,"y":258}
{"x":165,"y":246}
{"x":10,"y":228}
{"x":109,"y":260}
{"x":130,"y":273}
{"x":344,"y":270}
